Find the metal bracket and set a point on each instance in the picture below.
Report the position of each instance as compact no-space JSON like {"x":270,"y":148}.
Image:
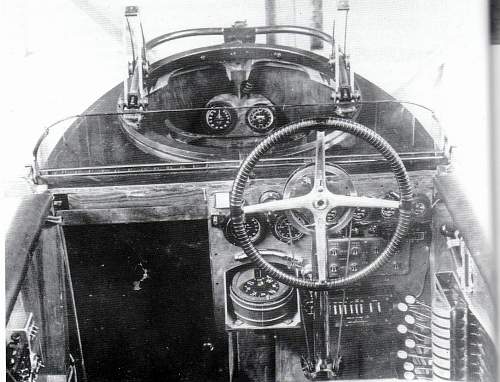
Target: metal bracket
{"x":239,"y":32}
{"x":135,"y":96}
{"x":460,"y":256}
{"x":52,"y":219}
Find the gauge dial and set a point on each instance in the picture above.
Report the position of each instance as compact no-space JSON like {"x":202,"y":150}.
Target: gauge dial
{"x":260,"y":118}
{"x":254,"y":225}
{"x":360,"y":213}
{"x":333,"y":214}
{"x":220,"y":118}
{"x":389,"y":212}
{"x":264,"y":286}
{"x":284,"y":231}
{"x":301,"y":183}
{"x":421,"y":207}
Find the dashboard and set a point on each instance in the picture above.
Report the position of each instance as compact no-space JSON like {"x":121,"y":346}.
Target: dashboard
{"x":284,"y":238}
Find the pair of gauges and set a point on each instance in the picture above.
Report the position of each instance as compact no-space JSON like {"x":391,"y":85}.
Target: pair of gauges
{"x":221,"y":118}
{"x":258,"y":225}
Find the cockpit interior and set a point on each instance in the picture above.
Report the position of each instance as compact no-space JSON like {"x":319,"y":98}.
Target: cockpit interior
{"x":247,"y":211}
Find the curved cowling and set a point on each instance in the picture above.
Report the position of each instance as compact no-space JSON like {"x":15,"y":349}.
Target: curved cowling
{"x":296,"y":80}
{"x":296,"y":84}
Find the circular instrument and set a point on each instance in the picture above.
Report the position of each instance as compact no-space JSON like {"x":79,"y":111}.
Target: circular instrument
{"x":220,"y":118}
{"x":301,"y":182}
{"x":284,"y":231}
{"x":255,"y":227}
{"x":263,"y":287}
{"x":260,"y":118}
{"x":388,"y":213}
{"x":319,"y":201}
{"x":360,"y":214}
{"x":260,"y":300}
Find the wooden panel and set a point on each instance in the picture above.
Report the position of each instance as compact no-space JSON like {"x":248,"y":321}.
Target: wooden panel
{"x":54,"y":326}
{"x":20,"y":241}
{"x":119,"y":197}
{"x":133,"y":215}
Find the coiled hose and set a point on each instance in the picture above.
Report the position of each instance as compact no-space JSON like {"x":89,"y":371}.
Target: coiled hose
{"x":347,"y":126}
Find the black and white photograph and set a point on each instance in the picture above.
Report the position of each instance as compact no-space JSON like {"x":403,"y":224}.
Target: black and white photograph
{"x":250,"y":191}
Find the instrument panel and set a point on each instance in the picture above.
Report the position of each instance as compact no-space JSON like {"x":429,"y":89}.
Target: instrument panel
{"x":228,"y":114}
{"x":282,"y":242}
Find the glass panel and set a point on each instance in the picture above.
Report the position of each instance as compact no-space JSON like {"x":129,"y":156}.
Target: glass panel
{"x":107,"y":139}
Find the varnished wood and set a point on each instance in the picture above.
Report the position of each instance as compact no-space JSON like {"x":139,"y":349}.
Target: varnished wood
{"x":132,"y":215}
{"x":20,"y":242}
{"x":119,"y":197}
{"x":52,"y":288}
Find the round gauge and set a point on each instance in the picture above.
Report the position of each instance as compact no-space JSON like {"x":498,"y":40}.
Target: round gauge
{"x":267,"y":196}
{"x":389,"y":212}
{"x":332,"y":216}
{"x":264,"y":286}
{"x":360,"y":213}
{"x":284,"y":231}
{"x":259,"y":300}
{"x":421,"y":207}
{"x":301,"y":182}
{"x":220,"y":118}
{"x":260,"y":118}
{"x":254,"y":225}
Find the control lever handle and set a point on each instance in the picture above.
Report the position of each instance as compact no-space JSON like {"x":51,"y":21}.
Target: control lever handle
{"x":449,"y":231}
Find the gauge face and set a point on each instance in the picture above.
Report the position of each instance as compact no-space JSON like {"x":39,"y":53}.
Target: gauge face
{"x":389,"y":212}
{"x":261,"y":287}
{"x":254,"y":226}
{"x":260,"y":118}
{"x":269,"y":195}
{"x":220,"y":118}
{"x":360,"y":213}
{"x":284,"y":231}
{"x":419,"y":209}
{"x":332,"y":215}
{"x":301,"y":183}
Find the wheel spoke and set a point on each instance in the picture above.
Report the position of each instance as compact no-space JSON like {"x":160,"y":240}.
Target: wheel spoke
{"x":319,"y":168}
{"x":280,"y":205}
{"x":320,"y":249}
{"x":336,"y":200}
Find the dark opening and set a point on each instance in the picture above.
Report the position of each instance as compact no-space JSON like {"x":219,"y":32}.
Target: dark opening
{"x":144,"y":302}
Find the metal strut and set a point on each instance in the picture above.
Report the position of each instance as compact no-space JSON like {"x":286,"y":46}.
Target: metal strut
{"x":135,"y":96}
